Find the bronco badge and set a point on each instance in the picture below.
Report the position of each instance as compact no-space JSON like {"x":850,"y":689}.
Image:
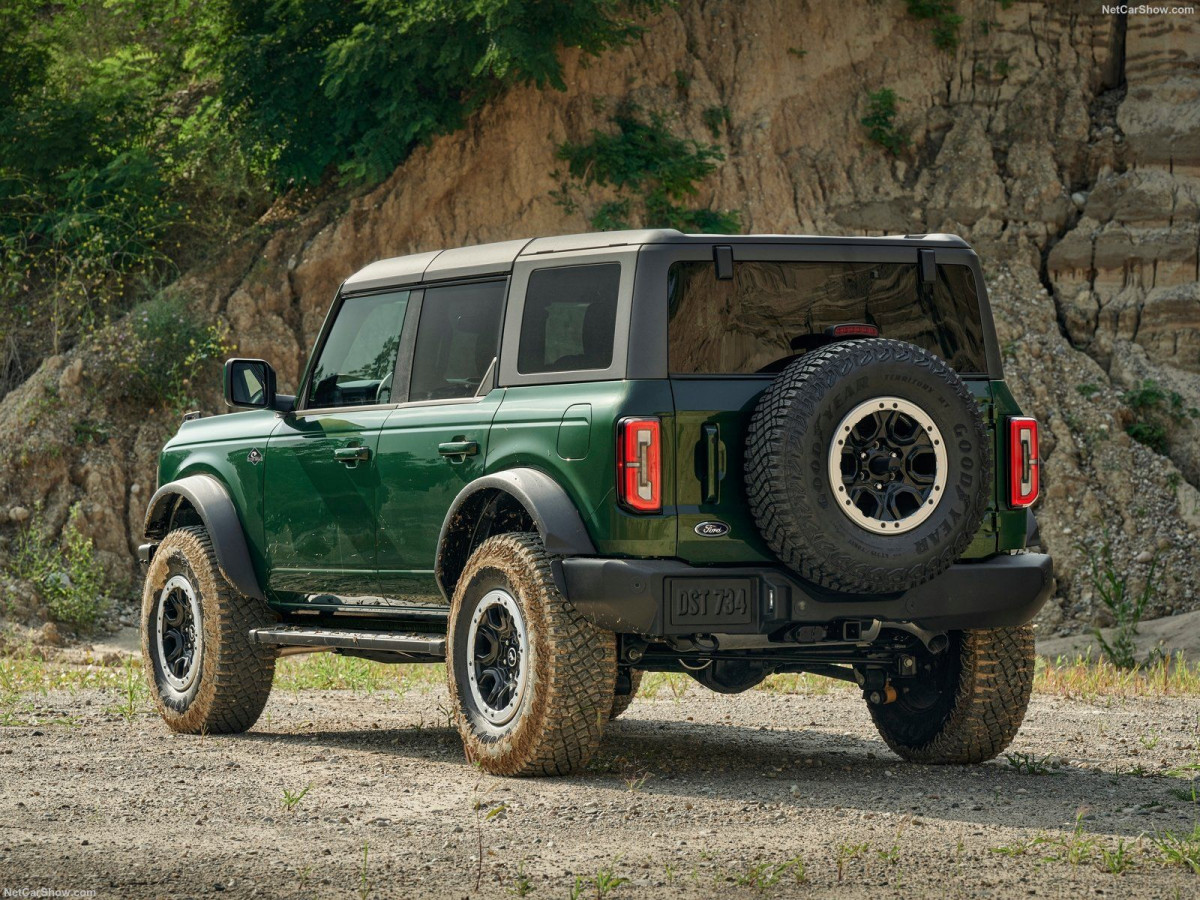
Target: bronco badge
{"x":712,"y":529}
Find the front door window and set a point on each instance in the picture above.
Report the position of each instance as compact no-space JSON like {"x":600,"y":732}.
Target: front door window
{"x":357,"y":364}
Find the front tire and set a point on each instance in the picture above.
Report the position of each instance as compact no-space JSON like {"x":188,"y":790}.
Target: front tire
{"x":968,"y":705}
{"x":531,"y":680}
{"x":205,"y":674}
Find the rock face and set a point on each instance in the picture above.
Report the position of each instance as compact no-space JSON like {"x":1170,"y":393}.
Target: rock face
{"x":1065,"y":144}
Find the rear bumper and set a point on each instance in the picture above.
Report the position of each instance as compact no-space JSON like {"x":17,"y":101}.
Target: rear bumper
{"x":669,"y":597}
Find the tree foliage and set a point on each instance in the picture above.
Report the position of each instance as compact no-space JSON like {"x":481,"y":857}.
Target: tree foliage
{"x":656,"y":170}
{"x":315,"y":84}
{"x":137,"y":135}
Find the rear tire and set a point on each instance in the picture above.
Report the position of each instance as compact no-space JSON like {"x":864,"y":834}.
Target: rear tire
{"x":531,"y":680}
{"x":969,"y":707}
{"x":622,"y":702}
{"x":205,"y":674}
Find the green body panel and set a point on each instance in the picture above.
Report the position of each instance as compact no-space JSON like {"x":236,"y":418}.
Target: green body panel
{"x":533,"y":424}
{"x":418,"y":484}
{"x":727,"y":403}
{"x":220,"y":446}
{"x":1010,"y":523}
{"x":319,"y":511}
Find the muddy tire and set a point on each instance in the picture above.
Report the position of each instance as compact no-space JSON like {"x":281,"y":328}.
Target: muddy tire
{"x":622,"y":702}
{"x":205,"y":674}
{"x":531,"y":680}
{"x":969,"y":706}
{"x":868,"y":466}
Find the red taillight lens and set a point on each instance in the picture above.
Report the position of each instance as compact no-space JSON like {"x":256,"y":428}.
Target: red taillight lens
{"x":852,"y":330}
{"x":639,"y":477}
{"x":1024,"y":478}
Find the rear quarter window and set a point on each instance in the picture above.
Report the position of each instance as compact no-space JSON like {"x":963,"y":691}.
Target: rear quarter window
{"x":772,"y":310}
{"x":569,"y":319}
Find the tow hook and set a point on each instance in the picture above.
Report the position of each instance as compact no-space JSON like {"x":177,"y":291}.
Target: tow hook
{"x":882,"y":696}
{"x":876,"y":688}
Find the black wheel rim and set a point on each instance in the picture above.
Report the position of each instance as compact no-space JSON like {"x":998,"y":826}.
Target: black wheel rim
{"x":499,"y":657}
{"x":887,"y":465}
{"x":179,"y":640}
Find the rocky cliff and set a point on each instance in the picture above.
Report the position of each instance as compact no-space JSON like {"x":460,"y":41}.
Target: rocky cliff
{"x":1065,"y":144}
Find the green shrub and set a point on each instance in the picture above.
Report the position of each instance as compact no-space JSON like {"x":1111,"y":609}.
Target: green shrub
{"x":156,"y":352}
{"x":944,"y":18}
{"x":1154,"y":410}
{"x":716,"y":118}
{"x":66,"y":573}
{"x":880,"y":121}
{"x":655,"y":169}
{"x":1111,"y":585}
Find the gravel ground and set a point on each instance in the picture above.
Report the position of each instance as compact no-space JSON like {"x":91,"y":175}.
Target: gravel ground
{"x":686,"y":798}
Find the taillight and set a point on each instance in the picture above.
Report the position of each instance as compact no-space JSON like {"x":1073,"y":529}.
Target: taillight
{"x":852,"y":329}
{"x":1023,"y":464}
{"x":639,"y":458}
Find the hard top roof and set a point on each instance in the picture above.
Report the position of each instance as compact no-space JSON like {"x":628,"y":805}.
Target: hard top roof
{"x":498,"y":258}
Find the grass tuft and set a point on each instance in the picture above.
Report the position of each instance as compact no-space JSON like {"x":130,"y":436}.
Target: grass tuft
{"x":1082,"y":677}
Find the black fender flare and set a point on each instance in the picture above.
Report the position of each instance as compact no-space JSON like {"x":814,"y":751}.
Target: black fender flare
{"x":553,"y":513}
{"x":212,"y":503}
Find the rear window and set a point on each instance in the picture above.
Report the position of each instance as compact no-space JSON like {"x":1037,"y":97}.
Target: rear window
{"x":569,"y":319}
{"x":771,"y":310}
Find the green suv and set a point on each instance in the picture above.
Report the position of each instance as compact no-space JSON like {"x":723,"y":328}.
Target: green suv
{"x":555,"y":464}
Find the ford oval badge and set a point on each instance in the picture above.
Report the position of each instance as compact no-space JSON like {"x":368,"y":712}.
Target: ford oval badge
{"x":712,"y":529}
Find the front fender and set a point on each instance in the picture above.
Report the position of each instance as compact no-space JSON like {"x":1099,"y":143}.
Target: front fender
{"x":208,"y":497}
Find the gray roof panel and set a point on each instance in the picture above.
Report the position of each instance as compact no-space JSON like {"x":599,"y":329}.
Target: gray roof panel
{"x":481,"y":259}
{"x":497,"y":258}
{"x":598,"y":239}
{"x":385,"y":272}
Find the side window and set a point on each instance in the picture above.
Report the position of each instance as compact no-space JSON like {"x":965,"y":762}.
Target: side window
{"x":569,"y":319}
{"x":358,"y":359}
{"x":457,"y":340}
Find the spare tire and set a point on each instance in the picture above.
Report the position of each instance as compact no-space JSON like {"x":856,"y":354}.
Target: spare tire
{"x":868,"y":466}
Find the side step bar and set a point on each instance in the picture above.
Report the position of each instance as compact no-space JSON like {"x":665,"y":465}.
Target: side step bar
{"x":411,"y":643}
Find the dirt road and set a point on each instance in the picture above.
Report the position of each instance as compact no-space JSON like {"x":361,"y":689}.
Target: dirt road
{"x":755,"y":795}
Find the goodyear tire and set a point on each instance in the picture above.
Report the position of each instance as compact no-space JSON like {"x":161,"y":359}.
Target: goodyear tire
{"x":968,"y":705}
{"x":868,"y":466}
{"x":622,"y":702}
{"x":531,"y":681}
{"x":205,"y":674}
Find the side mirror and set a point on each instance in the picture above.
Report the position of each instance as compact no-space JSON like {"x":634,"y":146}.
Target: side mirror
{"x":250,"y":384}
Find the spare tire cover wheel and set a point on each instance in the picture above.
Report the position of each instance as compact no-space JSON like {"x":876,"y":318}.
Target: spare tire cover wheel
{"x":868,"y":466}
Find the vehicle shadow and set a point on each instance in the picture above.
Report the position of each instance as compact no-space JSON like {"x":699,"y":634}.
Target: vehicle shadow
{"x":806,"y":769}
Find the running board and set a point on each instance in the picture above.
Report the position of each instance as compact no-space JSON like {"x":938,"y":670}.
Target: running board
{"x":412,"y":643}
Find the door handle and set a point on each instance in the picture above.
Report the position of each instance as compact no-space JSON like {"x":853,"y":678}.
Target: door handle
{"x":352,"y":456}
{"x":460,"y":449}
{"x":713,"y":466}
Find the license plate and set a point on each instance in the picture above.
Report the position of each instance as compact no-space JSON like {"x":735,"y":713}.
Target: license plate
{"x":716,"y":601}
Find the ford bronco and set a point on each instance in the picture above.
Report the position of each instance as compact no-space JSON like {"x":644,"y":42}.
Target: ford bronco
{"x":556,"y":464}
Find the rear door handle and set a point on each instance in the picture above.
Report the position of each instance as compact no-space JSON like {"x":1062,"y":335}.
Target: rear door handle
{"x":352,"y":456}
{"x":460,"y":449}
{"x":713,"y":462}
